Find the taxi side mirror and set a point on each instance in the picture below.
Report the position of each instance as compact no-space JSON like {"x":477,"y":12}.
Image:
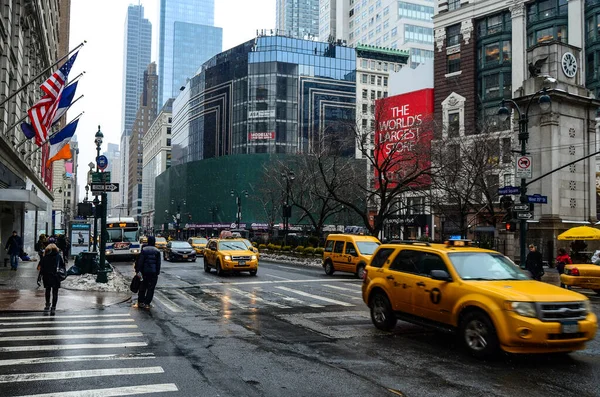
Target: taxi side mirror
{"x":440,"y":275}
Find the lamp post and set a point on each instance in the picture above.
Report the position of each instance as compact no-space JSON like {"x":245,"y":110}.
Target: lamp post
{"x":177,"y":217}
{"x":289,"y":177}
{"x":238,"y":202}
{"x":102,"y":276}
{"x":544,"y":101}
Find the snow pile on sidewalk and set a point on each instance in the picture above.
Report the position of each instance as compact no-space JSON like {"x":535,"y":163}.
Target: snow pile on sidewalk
{"x":87,"y":282}
{"x":291,"y":260}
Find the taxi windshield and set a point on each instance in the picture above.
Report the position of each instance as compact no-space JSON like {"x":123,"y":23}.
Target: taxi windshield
{"x":485,"y":266}
{"x":160,"y":240}
{"x":233,"y":246}
{"x":367,"y":247}
{"x":198,"y":241}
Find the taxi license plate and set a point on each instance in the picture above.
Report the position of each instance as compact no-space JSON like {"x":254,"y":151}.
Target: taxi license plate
{"x":185,"y":256}
{"x":242,"y":263}
{"x":569,"y":328}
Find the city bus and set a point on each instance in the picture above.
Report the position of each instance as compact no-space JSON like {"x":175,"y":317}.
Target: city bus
{"x":123,"y":238}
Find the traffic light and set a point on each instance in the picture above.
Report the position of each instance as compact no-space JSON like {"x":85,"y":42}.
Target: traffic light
{"x":511,"y":226}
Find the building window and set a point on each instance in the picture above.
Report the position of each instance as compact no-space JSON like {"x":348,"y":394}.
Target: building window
{"x":373,"y":79}
{"x":453,"y":63}
{"x":415,"y":11}
{"x":364,"y":78}
{"x":453,"y":35}
{"x":168,"y":141}
{"x":394,"y":32}
{"x":364,"y":108}
{"x":385,"y":81}
{"x":453,"y":4}
{"x":373,"y":94}
{"x":364,"y":94}
{"x":453,"y":124}
{"x":506,"y":151}
{"x":378,"y":80}
{"x":418,"y":34}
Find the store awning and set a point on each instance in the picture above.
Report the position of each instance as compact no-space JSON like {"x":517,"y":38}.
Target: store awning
{"x":27,"y":197}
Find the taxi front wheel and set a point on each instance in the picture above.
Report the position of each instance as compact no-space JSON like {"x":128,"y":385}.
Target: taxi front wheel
{"x":329,"y":268}
{"x":382,"y":314}
{"x":479,"y":334}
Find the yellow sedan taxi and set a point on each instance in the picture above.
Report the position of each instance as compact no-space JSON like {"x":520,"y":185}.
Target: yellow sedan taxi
{"x":582,"y":276}
{"x":161,"y":243}
{"x":229,"y":255}
{"x":479,"y":295}
{"x":198,"y":243}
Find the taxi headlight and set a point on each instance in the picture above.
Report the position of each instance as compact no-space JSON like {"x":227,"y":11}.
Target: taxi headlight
{"x":588,"y":306}
{"x":254,"y":257}
{"x":525,"y":309}
{"x":227,"y":257}
{"x":108,"y":252}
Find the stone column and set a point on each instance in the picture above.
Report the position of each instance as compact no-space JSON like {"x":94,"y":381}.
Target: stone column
{"x":519,"y":43}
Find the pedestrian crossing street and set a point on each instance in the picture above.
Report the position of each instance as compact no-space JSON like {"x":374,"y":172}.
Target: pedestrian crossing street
{"x":81,"y":355}
{"x":214,"y":298}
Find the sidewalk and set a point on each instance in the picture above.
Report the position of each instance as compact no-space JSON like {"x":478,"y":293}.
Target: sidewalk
{"x":19,"y":292}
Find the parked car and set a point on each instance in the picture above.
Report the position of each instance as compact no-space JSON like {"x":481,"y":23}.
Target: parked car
{"x":199,"y":244}
{"x":179,"y":251}
{"x":348,"y":253}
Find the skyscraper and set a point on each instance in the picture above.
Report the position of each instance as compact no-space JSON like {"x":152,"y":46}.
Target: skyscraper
{"x":298,"y":18}
{"x":136,"y":58}
{"x":113,"y":155}
{"x":187,"y":39}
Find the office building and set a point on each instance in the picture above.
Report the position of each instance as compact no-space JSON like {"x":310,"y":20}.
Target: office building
{"x":298,"y":19}
{"x":113,"y":154}
{"x":187,"y":39}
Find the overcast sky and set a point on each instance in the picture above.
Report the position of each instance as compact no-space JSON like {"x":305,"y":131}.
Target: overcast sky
{"x":102,"y":25}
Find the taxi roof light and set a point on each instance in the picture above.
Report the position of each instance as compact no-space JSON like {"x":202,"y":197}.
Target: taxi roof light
{"x":458,"y":243}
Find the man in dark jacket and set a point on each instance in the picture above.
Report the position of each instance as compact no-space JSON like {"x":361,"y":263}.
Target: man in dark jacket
{"x":534,"y":263}
{"x":14,"y":245}
{"x":148,"y":264}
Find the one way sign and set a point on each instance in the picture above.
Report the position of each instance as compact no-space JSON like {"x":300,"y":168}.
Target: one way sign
{"x":524,"y":215}
{"x":105,"y":187}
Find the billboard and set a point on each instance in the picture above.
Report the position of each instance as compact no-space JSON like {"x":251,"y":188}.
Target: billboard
{"x":253,"y":136}
{"x":80,"y":237}
{"x":404,"y":130}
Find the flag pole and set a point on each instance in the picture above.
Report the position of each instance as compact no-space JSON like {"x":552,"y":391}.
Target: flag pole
{"x":11,"y":96}
{"x":51,"y":136}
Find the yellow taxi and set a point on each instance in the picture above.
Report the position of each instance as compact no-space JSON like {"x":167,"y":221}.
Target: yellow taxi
{"x":229,"y":255}
{"x":479,"y":294}
{"x":348,"y":253}
{"x":582,"y":276}
{"x":161,"y":243}
{"x":198,"y":243}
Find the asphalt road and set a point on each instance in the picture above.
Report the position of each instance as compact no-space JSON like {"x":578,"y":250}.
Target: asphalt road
{"x":289,"y":331}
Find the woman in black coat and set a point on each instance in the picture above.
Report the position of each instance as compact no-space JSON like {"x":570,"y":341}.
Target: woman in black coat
{"x":48,"y":269}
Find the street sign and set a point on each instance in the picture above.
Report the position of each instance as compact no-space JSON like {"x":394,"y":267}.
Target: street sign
{"x":105,"y":187}
{"x":509,"y":190}
{"x":524,"y":215}
{"x":537,"y":198}
{"x":100,"y":177}
{"x":102,"y":162}
{"x":521,"y":207}
{"x":523,"y":167}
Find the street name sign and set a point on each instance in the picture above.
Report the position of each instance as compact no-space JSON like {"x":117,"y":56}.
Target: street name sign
{"x":537,"y":198}
{"x":105,"y":187}
{"x":524,"y":215}
{"x":523,"y":167}
{"x":521,"y":207}
{"x":100,"y":177}
{"x":509,"y":190}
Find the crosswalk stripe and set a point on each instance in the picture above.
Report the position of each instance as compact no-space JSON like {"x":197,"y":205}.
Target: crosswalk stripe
{"x":226,"y":299}
{"x":255,"y":298}
{"x":341,"y":288}
{"x":77,"y":328}
{"x":68,"y":359}
{"x":69,"y":336}
{"x":317,"y":297}
{"x":66,"y":316}
{"x":295,"y":300}
{"x":113,"y":392}
{"x":168,"y":303}
{"x":70,"y":347}
{"x":67,"y":322}
{"x":196,"y":302}
{"x":86,"y":373}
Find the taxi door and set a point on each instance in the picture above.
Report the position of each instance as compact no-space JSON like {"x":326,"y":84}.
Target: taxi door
{"x":433,"y":299}
{"x":337,"y":257}
{"x":210,"y":253}
{"x":400,"y":279}
{"x":351,"y":258}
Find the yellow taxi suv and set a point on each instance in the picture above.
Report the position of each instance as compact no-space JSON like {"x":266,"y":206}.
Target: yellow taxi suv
{"x":198,"y":243}
{"x":478,"y":294}
{"x":348,"y":253}
{"x":161,"y":243}
{"x":582,"y":276}
{"x":229,"y":255}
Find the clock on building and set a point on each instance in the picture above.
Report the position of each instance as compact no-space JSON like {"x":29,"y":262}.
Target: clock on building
{"x":569,"y":64}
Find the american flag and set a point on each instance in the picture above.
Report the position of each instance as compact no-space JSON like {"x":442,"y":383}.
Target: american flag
{"x":55,"y":83}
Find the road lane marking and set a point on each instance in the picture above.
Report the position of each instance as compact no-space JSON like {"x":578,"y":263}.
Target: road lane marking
{"x":70,"y":347}
{"x":113,"y":392}
{"x":294,"y":300}
{"x":68,"y":359}
{"x":341,"y":288}
{"x":226,"y":299}
{"x":70,"y":336}
{"x":67,"y":322}
{"x":255,"y":298}
{"x":168,"y":303}
{"x":83,"y":327}
{"x":86,"y":373}
{"x":336,"y":302}
{"x":286,"y":267}
{"x":271,"y":275}
{"x":196,"y":302}
{"x":65,"y":316}
{"x":316,"y":280}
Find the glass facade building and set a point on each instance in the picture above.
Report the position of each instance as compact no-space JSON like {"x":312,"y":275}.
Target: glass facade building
{"x":273,"y":94}
{"x":298,"y":18}
{"x":187,"y":39}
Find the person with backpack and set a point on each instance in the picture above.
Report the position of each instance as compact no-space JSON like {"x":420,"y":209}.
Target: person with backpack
{"x":562,"y":259}
{"x":148,"y":265}
{"x":49,"y":268}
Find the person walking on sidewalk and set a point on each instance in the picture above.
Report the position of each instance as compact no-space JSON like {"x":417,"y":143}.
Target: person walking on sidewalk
{"x":14,"y":245}
{"x":562,"y":259}
{"x":148,"y":264}
{"x":534,"y":264}
{"x":49,"y":265}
